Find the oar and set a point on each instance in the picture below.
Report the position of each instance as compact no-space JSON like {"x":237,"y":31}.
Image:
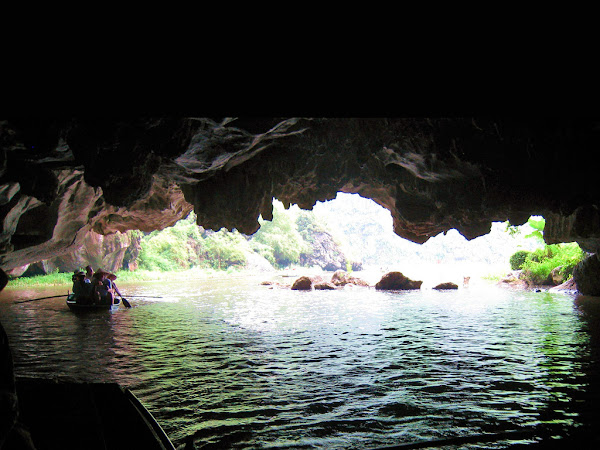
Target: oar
{"x":144,"y":296}
{"x":42,"y":298}
{"x":123,"y":299}
{"x":125,"y":302}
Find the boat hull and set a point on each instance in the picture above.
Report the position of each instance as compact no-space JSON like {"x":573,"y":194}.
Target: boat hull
{"x":68,"y":415}
{"x":75,"y":305}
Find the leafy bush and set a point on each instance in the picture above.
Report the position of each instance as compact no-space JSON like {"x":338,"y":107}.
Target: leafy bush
{"x":518,"y":259}
{"x":541,"y":262}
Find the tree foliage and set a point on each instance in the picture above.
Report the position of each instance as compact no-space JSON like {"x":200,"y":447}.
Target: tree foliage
{"x":280,"y":240}
{"x":186,"y":245}
{"x":538,"y":264}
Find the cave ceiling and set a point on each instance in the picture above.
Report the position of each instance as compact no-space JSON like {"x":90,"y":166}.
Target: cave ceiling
{"x":62,"y":178}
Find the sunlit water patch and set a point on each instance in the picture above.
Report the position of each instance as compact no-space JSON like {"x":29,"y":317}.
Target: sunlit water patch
{"x":238,"y":365}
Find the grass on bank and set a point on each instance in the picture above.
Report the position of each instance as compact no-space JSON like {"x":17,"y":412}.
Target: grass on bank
{"x":123,"y":277}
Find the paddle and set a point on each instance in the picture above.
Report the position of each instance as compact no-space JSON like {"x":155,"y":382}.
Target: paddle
{"x":144,"y":296}
{"x":125,"y":302}
{"x":123,"y":299}
{"x":42,"y":298}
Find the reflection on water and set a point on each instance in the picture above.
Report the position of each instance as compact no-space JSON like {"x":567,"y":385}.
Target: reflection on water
{"x":239,"y":365}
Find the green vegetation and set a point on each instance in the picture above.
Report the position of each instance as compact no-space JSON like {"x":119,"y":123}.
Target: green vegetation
{"x":186,"y":245}
{"x":518,"y":259}
{"x":538,"y":264}
{"x":123,"y":277}
{"x":51,"y":279}
{"x":279,"y":241}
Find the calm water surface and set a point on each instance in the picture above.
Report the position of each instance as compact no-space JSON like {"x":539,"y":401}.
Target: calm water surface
{"x":239,"y":365}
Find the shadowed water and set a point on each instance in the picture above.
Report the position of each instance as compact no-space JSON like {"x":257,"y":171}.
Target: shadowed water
{"x":239,"y":365}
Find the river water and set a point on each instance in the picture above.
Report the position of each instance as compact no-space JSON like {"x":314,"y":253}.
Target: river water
{"x":239,"y":365}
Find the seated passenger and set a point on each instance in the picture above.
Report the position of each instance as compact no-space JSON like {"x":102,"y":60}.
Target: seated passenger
{"x":80,"y":288}
{"x":88,"y":274}
{"x":103,"y":292}
{"x":110,"y":278}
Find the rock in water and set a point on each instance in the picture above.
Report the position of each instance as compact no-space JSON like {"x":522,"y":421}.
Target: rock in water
{"x":397,"y":281}
{"x":448,"y":285}
{"x":342,"y":278}
{"x":302,"y":284}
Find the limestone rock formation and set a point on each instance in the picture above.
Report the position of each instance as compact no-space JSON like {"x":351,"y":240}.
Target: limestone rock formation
{"x":111,"y":252}
{"x":396,"y":281}
{"x":447,"y":285}
{"x":303,"y":283}
{"x":342,"y":278}
{"x":324,"y":286}
{"x":586,"y":276}
{"x":556,"y":276}
{"x":514,"y":280}
{"x":568,"y":285}
{"x":324,"y":253}
{"x":61,"y":178}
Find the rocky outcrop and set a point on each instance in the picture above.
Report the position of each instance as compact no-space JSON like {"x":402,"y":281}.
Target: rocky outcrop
{"x":557,"y":276}
{"x":62,"y":178}
{"x":110,"y":252}
{"x":324,"y":253}
{"x":342,"y":278}
{"x":396,"y":281}
{"x":257,"y":263}
{"x":338,"y":280}
{"x":586,"y":276}
{"x":302,"y":284}
{"x":514,"y":280}
{"x":324,"y":286}
{"x":568,"y":285}
{"x":447,"y":285}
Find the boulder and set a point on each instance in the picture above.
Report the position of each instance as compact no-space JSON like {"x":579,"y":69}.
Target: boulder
{"x":513,"y":280}
{"x":257,"y":263}
{"x":568,"y":285}
{"x":448,"y":285}
{"x":324,"y":285}
{"x":342,"y":278}
{"x":397,"y":281}
{"x":586,"y":276}
{"x":556,"y":276}
{"x":302,"y":284}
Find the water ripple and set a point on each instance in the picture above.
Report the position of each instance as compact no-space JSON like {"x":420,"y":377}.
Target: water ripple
{"x":246,"y":367}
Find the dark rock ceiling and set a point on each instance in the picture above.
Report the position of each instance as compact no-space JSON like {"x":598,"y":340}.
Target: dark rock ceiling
{"x":60,"y":178}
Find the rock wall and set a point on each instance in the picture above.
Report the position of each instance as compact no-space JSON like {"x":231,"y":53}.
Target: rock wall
{"x":62,"y":178}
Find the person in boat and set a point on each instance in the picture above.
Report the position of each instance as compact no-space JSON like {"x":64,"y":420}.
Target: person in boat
{"x":89,"y":273}
{"x":110,"y":282}
{"x":81,"y":287}
{"x":78,"y":283}
{"x":102,"y":292}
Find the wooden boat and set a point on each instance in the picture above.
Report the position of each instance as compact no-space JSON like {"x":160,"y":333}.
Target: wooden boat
{"x":68,"y":415}
{"x":75,"y":304}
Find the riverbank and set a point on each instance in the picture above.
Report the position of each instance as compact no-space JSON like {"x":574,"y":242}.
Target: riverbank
{"x":123,"y":276}
{"x":430,"y":273}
